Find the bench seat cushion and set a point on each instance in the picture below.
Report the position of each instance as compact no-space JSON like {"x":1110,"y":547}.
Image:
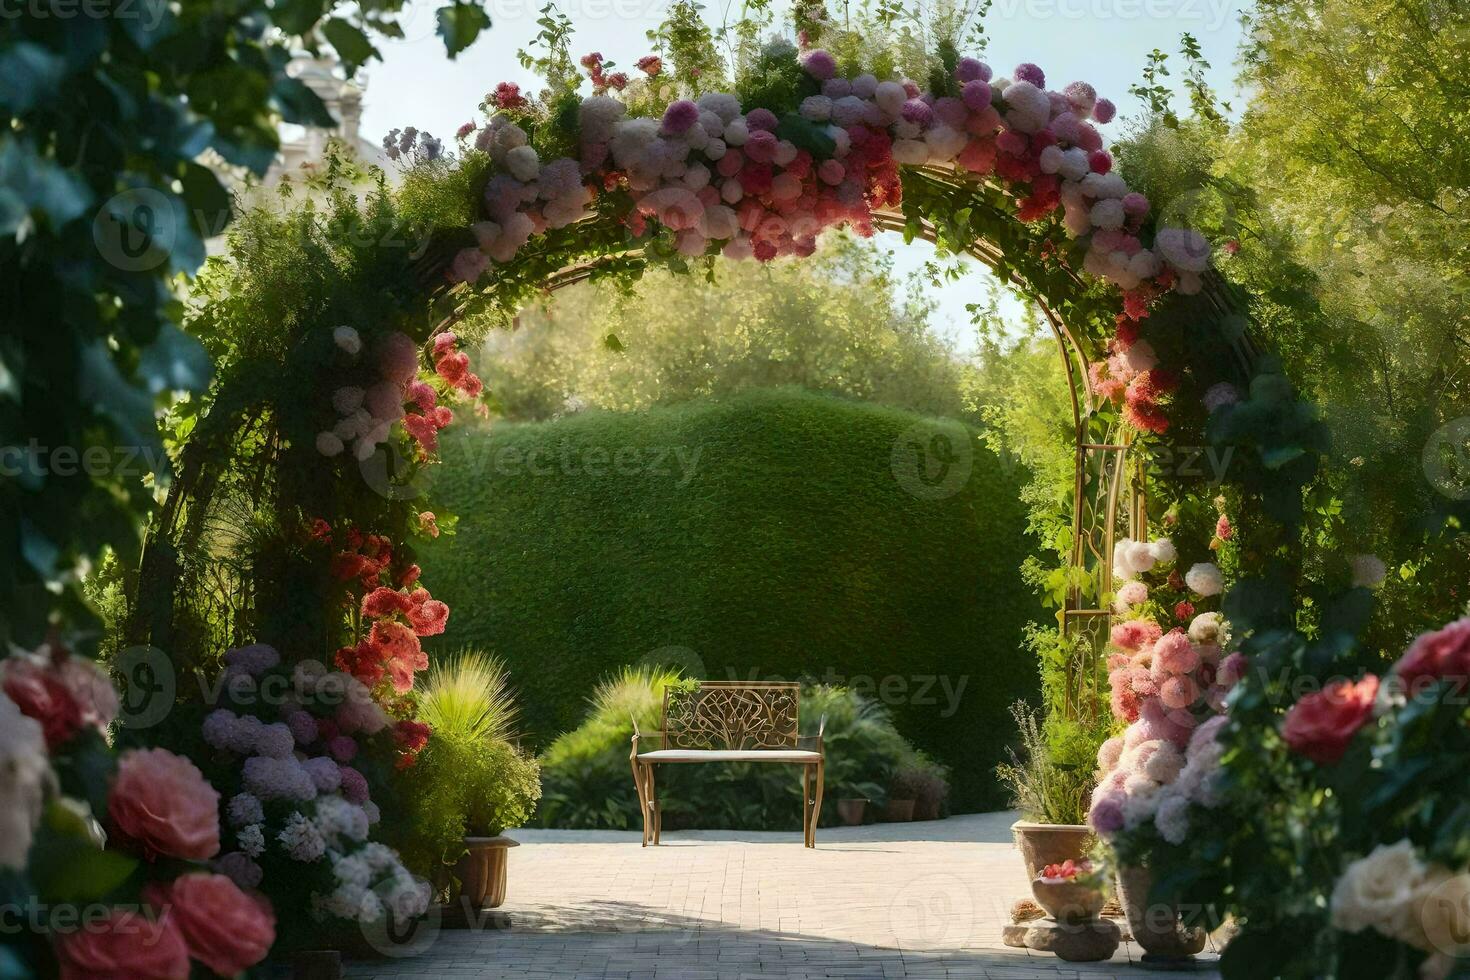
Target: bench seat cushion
{"x":730,"y":755}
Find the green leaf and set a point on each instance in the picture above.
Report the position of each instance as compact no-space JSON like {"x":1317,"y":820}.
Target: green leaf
{"x":32,"y":75}
{"x":611,"y":342}
{"x":299,"y":104}
{"x":459,"y":25}
{"x":350,"y":43}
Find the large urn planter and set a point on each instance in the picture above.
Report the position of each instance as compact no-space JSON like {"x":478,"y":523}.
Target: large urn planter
{"x":1166,"y":942}
{"x":482,"y":872}
{"x":850,"y":812}
{"x":1042,"y":844}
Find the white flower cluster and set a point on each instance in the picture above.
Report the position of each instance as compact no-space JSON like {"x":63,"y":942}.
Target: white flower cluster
{"x":1398,"y":895}
{"x":1133,"y":557}
{"x":371,"y":882}
{"x":25,"y":781}
{"x":1208,"y":629}
{"x":302,"y":838}
{"x":366,"y":415}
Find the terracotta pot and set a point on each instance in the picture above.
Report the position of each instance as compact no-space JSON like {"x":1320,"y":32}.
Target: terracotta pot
{"x":899,"y":811}
{"x":1156,"y":928}
{"x":1068,"y":901}
{"x":851,"y":812}
{"x":1050,"y":843}
{"x":481,"y":872}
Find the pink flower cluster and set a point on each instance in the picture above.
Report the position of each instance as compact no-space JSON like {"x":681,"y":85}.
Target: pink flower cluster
{"x":1130,"y":375}
{"x":1162,"y":678}
{"x":720,"y":176}
{"x":366,"y":415}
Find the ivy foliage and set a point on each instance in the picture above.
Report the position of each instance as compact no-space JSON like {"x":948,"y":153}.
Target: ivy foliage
{"x":104,"y":201}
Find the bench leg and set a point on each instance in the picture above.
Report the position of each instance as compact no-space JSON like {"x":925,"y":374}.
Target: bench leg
{"x":642,"y":791}
{"x":656,"y":817}
{"x":806,"y":806}
{"x":817,"y":803}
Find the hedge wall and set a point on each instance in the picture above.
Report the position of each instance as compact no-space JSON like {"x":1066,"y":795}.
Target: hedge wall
{"x":774,"y":534}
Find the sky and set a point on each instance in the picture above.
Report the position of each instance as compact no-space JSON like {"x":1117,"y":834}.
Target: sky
{"x":1105,"y":42}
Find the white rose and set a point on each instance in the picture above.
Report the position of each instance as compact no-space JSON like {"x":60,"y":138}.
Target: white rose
{"x":1204,"y":579}
{"x":1377,"y":891}
{"x":347,"y":339}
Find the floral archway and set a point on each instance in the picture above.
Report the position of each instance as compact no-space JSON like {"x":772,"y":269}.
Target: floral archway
{"x":328,"y":423}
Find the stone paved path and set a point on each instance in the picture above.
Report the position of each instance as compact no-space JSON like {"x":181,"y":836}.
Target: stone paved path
{"x":921,"y":900}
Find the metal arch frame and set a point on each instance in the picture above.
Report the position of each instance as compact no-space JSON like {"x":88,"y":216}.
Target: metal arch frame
{"x":1102,"y":475}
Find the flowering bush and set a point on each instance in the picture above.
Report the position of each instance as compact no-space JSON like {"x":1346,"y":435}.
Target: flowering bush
{"x":298,"y":772}
{"x":112,"y":843}
{"x":1169,"y":687}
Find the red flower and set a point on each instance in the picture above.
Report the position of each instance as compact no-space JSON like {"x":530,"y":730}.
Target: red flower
{"x":423,"y":430}
{"x":383,"y":602}
{"x":1223,"y":530}
{"x":1322,"y":724}
{"x":40,"y":694}
{"x":394,"y":641}
{"x":409,"y":576}
{"x":453,"y":367}
{"x":428,"y":618}
{"x":320,"y":530}
{"x":411,"y":735}
{"x":650,"y":64}
{"x":1183,"y":611}
{"x":429,"y":523}
{"x":1443,"y":654}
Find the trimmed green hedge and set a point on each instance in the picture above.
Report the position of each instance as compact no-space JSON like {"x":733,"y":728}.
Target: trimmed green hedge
{"x":774,"y":534}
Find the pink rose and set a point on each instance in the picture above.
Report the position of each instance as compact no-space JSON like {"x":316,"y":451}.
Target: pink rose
{"x":223,"y":928}
{"x":1434,"y":656}
{"x":128,"y":946}
{"x":162,"y":802}
{"x":1321,"y":724}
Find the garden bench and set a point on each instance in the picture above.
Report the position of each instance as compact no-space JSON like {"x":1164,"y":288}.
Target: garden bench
{"x":729,"y":721}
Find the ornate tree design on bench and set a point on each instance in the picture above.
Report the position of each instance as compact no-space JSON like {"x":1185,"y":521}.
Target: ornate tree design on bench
{"x":731,"y":715}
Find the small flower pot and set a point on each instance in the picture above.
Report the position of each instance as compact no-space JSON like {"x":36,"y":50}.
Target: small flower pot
{"x":482,"y":872}
{"x":899,"y":811}
{"x":851,"y":812}
{"x":1068,"y":901}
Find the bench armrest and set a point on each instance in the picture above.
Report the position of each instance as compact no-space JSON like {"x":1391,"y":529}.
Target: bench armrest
{"x":813,"y":742}
{"x":641,"y":737}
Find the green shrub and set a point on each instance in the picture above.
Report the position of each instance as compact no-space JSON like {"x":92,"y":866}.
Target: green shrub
{"x":589,"y":780}
{"x":786,"y":548}
{"x":1050,"y":780}
{"x":469,"y":781}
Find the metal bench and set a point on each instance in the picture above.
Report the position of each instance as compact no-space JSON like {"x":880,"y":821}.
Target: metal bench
{"x":729,"y":721}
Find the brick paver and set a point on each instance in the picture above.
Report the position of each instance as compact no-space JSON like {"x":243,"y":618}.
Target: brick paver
{"x":919,"y":900}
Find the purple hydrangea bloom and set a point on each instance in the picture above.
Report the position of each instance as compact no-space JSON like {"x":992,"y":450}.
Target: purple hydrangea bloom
{"x":325,"y":774}
{"x":971,"y":70}
{"x":917,"y":111}
{"x":1027,"y":72}
{"x":354,"y":785}
{"x":977,"y":95}
{"x":680,"y":116}
{"x":1104,"y":111}
{"x":819,"y":64}
{"x":760,"y":119}
{"x":303,"y":727}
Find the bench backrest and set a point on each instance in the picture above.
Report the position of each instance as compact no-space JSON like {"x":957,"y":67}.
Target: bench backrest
{"x":732,"y":715}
